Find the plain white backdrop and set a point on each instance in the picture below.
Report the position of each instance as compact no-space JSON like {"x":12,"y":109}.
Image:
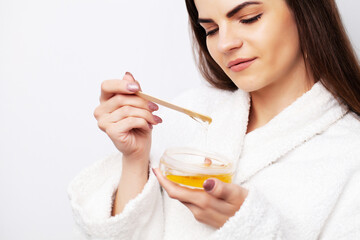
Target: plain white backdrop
{"x":53,"y":57}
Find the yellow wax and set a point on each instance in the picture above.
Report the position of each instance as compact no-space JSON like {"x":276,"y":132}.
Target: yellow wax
{"x":198,"y":180}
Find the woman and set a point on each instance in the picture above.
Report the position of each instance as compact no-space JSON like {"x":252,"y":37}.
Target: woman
{"x":285,"y":104}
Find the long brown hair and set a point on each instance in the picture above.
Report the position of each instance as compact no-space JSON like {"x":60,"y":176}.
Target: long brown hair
{"x":323,"y":39}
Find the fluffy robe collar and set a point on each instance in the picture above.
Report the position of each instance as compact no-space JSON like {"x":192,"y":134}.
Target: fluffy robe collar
{"x":309,"y":115}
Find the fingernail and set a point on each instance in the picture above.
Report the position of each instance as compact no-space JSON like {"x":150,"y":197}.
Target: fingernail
{"x":150,"y":126}
{"x":154,"y":171}
{"x":209,"y":185}
{"x":153,"y":106}
{"x":133,"y":87}
{"x":127,"y":73}
{"x":157,"y":119}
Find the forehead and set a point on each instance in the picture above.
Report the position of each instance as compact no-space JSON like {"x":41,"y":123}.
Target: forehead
{"x":210,"y":6}
{"x":206,"y":8}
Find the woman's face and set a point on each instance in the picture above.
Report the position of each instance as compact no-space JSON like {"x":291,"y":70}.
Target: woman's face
{"x":256,"y":43}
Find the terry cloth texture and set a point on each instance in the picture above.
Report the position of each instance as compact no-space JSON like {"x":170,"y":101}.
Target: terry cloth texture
{"x":302,"y":170}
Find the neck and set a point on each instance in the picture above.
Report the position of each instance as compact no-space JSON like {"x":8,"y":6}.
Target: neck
{"x":268,"y":102}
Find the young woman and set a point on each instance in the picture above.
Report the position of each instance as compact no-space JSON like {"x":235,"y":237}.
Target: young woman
{"x":285,"y":104}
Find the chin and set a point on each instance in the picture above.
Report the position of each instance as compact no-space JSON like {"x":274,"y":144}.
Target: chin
{"x":248,"y":84}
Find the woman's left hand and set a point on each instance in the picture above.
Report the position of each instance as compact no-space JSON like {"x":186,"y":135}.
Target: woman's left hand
{"x":214,"y":206}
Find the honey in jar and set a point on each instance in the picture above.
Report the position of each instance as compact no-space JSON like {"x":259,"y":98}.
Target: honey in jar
{"x":190,"y":167}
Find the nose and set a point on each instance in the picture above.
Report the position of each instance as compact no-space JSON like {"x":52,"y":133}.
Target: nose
{"x":229,"y":39}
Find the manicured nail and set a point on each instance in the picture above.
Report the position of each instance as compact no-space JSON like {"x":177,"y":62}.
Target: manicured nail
{"x":133,"y":87}
{"x":157,"y":119}
{"x":209,"y":185}
{"x":127,"y":73}
{"x":153,"y":106}
{"x":150,"y":126}
{"x":154,"y":171}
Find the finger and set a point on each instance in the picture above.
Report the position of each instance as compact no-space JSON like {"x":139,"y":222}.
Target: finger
{"x":226,"y":191}
{"x":124,"y":112}
{"x":204,"y":201}
{"x":115,"y":86}
{"x":196,"y":197}
{"x":176,"y":191}
{"x":120,"y":100}
{"x":128,"y":111}
{"x":117,"y":130}
{"x":207,"y":216}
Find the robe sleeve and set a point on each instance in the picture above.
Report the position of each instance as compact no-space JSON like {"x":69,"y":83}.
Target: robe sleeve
{"x":91,"y":196}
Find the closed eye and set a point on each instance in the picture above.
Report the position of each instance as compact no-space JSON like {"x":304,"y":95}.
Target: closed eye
{"x":212,"y":32}
{"x":244,"y":21}
{"x":251,"y":20}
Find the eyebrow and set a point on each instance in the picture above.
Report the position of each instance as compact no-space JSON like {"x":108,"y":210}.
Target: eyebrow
{"x":231,"y":13}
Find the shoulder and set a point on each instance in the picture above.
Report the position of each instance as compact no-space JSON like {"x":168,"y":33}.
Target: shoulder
{"x":338,"y":147}
{"x":348,"y":128}
{"x":342,"y":140}
{"x":351,"y":121}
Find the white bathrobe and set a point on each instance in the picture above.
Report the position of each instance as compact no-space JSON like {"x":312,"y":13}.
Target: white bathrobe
{"x":302,"y":170}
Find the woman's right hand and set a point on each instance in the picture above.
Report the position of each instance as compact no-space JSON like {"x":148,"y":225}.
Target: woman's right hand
{"x":126,"y":118}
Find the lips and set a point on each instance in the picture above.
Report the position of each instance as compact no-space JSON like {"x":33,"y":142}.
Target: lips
{"x":238,"y":61}
{"x":240,"y":64}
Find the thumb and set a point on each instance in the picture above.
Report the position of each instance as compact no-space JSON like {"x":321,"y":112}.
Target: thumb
{"x":226,"y":191}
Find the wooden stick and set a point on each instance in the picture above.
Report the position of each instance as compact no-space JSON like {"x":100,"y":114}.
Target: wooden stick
{"x":190,"y":113}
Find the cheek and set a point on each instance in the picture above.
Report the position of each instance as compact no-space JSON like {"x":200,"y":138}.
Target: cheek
{"x":212,"y":48}
{"x":282,"y":47}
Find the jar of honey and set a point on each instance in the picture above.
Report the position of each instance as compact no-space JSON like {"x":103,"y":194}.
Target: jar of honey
{"x":190,"y":167}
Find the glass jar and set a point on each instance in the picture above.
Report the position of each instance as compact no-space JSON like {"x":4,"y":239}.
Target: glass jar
{"x":190,"y":167}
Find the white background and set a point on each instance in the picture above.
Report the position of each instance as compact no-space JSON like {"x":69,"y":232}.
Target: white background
{"x":53,"y":57}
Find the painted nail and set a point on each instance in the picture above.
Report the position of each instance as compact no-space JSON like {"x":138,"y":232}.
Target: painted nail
{"x":153,"y":106}
{"x":127,"y":73}
{"x":133,"y":87}
{"x":157,"y":119}
{"x":209,"y":185}
{"x":150,"y":126}
{"x":154,"y":171}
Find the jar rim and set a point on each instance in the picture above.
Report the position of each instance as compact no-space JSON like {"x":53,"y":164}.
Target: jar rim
{"x":172,"y":159}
